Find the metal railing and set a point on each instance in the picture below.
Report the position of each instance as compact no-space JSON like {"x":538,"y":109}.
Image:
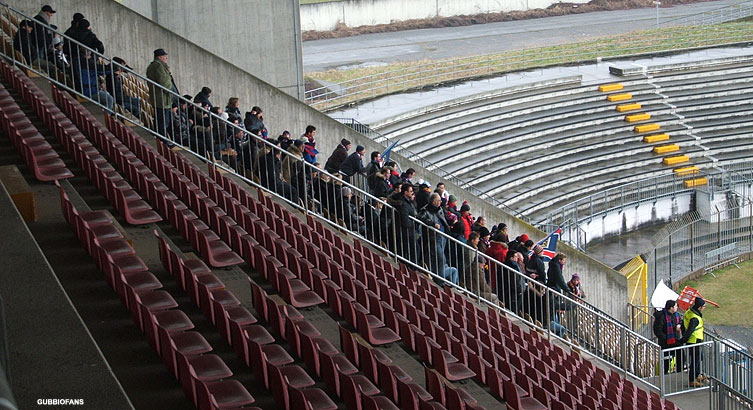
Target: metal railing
{"x":723,"y":397}
{"x":443,"y":71}
{"x":431,"y":247}
{"x":572,"y":215}
{"x":721,"y":15}
{"x":683,"y":250}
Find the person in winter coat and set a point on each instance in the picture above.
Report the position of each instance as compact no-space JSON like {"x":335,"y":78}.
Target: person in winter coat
{"x":77,"y":17}
{"x":43,"y":31}
{"x":513,"y":286}
{"x":114,"y":82}
{"x":381,"y":186}
{"x":202,"y":97}
{"x":466,"y":219}
{"x":422,"y":196}
{"x":353,"y":164}
{"x":575,"y":287}
{"x":57,"y":57}
{"x":473,"y":275}
{"x":432,"y":215}
{"x":335,"y":161}
{"x":693,"y":333}
{"x":556,"y":279}
{"x":309,"y":147}
{"x":497,"y":251}
{"x":254,"y":122}
{"x":407,"y":235}
{"x":375,"y":164}
{"x":668,"y":331}
{"x":233,"y":107}
{"x":86,"y":36}
{"x":24,"y":41}
{"x":159,"y":72}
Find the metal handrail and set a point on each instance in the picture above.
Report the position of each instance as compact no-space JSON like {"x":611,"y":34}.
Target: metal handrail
{"x":592,"y":339}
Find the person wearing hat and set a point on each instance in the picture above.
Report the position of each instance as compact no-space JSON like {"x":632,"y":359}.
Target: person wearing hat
{"x":434,"y":243}
{"x":575,"y":288}
{"x":24,"y":42}
{"x":42,"y":33}
{"x":407,"y":233}
{"x":535,"y":265}
{"x":86,"y":36}
{"x":58,"y":57}
{"x":381,"y":184}
{"x":114,"y":81}
{"x":692,"y":322}
{"x":74,"y":24}
{"x":422,"y":196}
{"x":466,"y":219}
{"x":159,"y":72}
{"x":668,"y":330}
{"x":335,"y":161}
{"x":484,"y":241}
{"x":353,"y":164}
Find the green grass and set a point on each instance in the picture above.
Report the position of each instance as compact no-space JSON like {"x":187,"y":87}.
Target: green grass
{"x":731,"y":289}
{"x":370,"y":82}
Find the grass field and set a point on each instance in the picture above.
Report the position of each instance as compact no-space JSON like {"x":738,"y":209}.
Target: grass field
{"x":731,"y":289}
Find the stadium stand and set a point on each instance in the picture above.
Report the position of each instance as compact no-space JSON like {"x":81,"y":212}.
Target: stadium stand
{"x":689,"y":117}
{"x":468,"y":356}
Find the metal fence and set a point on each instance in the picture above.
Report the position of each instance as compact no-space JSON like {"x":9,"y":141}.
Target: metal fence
{"x":570,"y":217}
{"x":424,"y":241}
{"x":721,"y":15}
{"x":684,"y":249}
{"x":437,"y":72}
{"x":723,"y":397}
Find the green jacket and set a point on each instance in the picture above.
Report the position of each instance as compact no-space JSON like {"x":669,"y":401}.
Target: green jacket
{"x":159,"y":72}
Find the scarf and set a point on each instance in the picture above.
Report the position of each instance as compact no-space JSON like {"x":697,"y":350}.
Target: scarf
{"x":672,"y":321}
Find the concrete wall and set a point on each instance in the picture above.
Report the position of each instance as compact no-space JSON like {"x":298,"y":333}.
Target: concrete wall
{"x":261,"y":37}
{"x":354,"y":13}
{"x":134,"y":38}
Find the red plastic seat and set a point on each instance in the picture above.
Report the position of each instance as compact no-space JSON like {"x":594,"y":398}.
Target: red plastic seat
{"x":332,"y":366}
{"x":215,"y":251}
{"x":223,"y":394}
{"x":353,"y":387}
{"x":184,"y":344}
{"x":515,"y":402}
{"x":376,"y":336}
{"x":282,"y":378}
{"x":450,"y":371}
{"x":199,"y":369}
{"x":260,"y":356}
{"x":298,"y":298}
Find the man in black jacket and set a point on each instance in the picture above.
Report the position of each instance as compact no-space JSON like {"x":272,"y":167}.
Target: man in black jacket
{"x":43,"y":31}
{"x":353,"y":164}
{"x":114,"y":82}
{"x":335,"y":161}
{"x":407,"y":237}
{"x":23,"y":41}
{"x":668,"y":329}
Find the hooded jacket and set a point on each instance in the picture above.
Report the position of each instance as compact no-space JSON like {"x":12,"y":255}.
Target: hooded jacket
{"x":291,"y":164}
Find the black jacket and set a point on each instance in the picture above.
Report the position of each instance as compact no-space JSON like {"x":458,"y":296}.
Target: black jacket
{"x":335,"y":161}
{"x":536,"y":265}
{"x":89,"y":39}
{"x":114,"y":85}
{"x":422,"y":198}
{"x":352,"y":165}
{"x":202,"y":99}
{"x":556,"y":280}
{"x":405,"y":209}
{"x":25,"y":44}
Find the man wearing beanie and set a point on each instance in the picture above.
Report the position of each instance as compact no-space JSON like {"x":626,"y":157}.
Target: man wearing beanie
{"x":667,"y":330}
{"x":693,"y":323}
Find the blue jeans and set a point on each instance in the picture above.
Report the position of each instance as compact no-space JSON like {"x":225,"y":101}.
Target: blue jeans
{"x":104,"y":98}
{"x":133,"y":105}
{"x":451,"y":274}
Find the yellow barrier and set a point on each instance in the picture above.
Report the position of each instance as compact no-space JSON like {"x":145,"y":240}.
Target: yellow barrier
{"x":686,"y":170}
{"x":610,"y":87}
{"x":676,"y":160}
{"x":628,"y":107}
{"x":655,"y":138}
{"x":638,"y":117}
{"x":663,"y":149}
{"x":696,"y":182}
{"x":646,"y":127}
{"x":619,"y":97}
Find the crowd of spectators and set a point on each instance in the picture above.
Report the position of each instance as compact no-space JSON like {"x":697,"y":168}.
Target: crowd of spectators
{"x":428,"y":227}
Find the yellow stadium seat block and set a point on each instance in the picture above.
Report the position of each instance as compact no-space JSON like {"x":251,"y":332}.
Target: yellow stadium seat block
{"x":676,"y":160}
{"x":638,"y":117}
{"x":686,"y":170}
{"x":663,"y":149}
{"x":656,"y":138}
{"x":646,"y":127}
{"x":690,"y":183}
{"x":605,"y":88}
{"x":619,"y":97}
{"x":628,"y":107}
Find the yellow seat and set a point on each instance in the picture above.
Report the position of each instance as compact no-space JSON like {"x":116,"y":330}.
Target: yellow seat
{"x":663,"y":149}
{"x":686,"y":170}
{"x":655,"y":138}
{"x":676,"y":160}
{"x":638,"y":117}
{"x":690,"y":183}
{"x":646,"y":127}
{"x":628,"y":107}
{"x":619,"y":97}
{"x":610,"y":87}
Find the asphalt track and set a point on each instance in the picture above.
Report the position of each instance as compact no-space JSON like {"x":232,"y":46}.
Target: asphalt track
{"x":449,"y":42}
